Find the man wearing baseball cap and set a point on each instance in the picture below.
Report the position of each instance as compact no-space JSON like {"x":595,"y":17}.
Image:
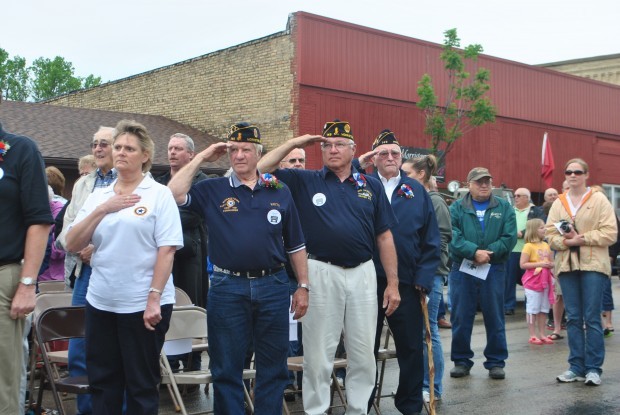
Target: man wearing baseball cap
{"x":483,"y":235}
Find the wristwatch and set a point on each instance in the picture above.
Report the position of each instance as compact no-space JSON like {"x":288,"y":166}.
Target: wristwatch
{"x":28,"y":281}
{"x":306,"y":286}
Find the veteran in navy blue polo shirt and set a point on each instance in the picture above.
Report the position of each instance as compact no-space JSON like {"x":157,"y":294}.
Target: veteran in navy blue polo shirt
{"x":418,"y":244}
{"x":344,"y":214}
{"x":253,"y":225}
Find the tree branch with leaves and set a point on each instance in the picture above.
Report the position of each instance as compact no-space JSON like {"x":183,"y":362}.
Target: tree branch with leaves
{"x":466,"y":104}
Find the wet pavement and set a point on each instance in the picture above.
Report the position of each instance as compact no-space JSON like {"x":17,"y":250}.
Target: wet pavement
{"x":530,"y":386}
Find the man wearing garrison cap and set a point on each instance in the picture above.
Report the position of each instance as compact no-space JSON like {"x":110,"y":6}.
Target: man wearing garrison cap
{"x":344,"y":214}
{"x":253,"y":224}
{"x":418,"y":244}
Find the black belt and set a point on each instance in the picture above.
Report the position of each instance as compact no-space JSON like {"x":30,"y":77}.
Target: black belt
{"x":330,"y":262}
{"x":3,"y":263}
{"x":255,"y":273}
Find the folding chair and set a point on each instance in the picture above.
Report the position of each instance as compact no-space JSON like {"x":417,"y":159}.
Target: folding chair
{"x":59,"y":323}
{"x":44,"y":301}
{"x":296,"y":364}
{"x":181,"y":298}
{"x":53,"y":285}
{"x":386,"y":352}
{"x":190,"y":322}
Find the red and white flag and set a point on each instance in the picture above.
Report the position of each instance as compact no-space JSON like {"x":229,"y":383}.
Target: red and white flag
{"x":548,"y":165}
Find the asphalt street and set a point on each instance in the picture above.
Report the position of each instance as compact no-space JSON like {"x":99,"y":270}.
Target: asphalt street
{"x":530,"y":386}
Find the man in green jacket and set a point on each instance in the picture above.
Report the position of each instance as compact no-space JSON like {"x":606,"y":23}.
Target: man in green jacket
{"x":483,"y":235}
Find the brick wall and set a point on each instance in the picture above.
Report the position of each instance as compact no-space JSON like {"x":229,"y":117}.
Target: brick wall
{"x":249,"y":82}
{"x":605,"y":69}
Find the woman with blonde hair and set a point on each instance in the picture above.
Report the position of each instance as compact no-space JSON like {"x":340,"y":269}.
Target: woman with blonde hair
{"x":135,"y":227}
{"x":580,"y":228}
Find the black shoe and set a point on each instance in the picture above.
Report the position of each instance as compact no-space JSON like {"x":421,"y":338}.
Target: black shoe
{"x":510,"y":312}
{"x":497,"y":372}
{"x":459,"y":371}
{"x":289,"y":393}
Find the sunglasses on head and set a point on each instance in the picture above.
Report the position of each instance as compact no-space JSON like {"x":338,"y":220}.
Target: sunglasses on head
{"x":575,"y":172}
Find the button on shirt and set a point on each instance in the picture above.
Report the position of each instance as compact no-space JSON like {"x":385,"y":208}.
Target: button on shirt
{"x":340,"y":220}
{"x":248,"y":229}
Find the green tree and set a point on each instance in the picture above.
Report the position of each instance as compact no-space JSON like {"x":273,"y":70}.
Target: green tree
{"x":13,"y":77}
{"x":90,"y":81}
{"x":52,"y":78}
{"x":466,"y":104}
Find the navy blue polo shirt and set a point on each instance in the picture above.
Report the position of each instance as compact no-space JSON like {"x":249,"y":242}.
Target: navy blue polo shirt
{"x":417,"y":238}
{"x":249,"y":229}
{"x":340,"y":220}
{"x":23,"y":194}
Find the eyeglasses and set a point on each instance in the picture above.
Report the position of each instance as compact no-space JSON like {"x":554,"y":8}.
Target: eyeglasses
{"x":521,"y":196}
{"x":103,"y":145}
{"x":337,"y":146}
{"x":385,"y":153}
{"x":575,"y":172}
{"x":299,"y":159}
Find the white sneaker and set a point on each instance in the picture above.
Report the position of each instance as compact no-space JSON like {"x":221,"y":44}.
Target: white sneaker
{"x":426,"y":395}
{"x":593,"y":379}
{"x":340,"y":382}
{"x":569,"y":376}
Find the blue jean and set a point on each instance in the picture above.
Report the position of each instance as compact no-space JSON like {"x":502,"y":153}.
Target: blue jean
{"x":513,"y":275}
{"x":77,"y":347}
{"x":241,"y":311}
{"x":465,"y":292}
{"x":583,"y":292}
{"x":608,"y":299}
{"x":433,"y":312}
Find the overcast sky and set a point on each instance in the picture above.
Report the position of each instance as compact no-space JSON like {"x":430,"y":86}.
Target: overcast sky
{"x":118,"y":38}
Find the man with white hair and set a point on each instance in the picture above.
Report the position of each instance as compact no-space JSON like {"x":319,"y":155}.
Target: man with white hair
{"x":524,"y":211}
{"x":255,"y":224}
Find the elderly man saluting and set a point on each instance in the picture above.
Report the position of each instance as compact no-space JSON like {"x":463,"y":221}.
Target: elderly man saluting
{"x":252,"y":224}
{"x":344,"y":214}
{"x":418,"y":247}
{"x":483,"y":234}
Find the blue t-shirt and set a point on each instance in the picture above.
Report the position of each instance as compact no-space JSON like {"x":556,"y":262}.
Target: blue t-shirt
{"x":249,"y":229}
{"x":340,"y":219}
{"x":480,"y":208}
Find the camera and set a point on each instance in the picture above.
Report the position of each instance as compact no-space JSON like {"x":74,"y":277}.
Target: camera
{"x":565,"y":226}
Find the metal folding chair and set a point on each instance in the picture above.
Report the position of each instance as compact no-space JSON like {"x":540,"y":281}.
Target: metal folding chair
{"x":59,"y":323}
{"x":190,"y":322}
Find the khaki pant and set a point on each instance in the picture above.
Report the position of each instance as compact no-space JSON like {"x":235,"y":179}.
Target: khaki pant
{"x":339,"y":298}
{"x":11,"y":351}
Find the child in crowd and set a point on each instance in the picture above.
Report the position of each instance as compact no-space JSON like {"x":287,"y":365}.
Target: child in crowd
{"x":537,"y":261}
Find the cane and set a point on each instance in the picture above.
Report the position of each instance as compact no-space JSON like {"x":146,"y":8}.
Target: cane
{"x":429,"y":348}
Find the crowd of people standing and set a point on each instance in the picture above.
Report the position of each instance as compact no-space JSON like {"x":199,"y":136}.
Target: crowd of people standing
{"x":340,"y":249}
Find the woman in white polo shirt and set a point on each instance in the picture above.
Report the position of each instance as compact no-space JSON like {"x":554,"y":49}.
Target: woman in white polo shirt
{"x":135,"y":227}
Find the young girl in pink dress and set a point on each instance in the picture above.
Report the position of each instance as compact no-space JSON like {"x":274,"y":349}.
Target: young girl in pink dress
{"x":537,"y":261}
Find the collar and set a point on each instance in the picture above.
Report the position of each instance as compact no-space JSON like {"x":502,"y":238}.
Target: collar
{"x":394,"y":180}
{"x":111,"y":172}
{"x":325,"y":171}
{"x":146,"y":183}
{"x":235,"y":182}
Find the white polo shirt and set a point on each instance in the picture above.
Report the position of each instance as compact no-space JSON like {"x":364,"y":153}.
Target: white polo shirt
{"x":126,"y":244}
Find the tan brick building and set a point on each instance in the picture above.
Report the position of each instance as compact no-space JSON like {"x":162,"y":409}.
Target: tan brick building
{"x":600,"y":68}
{"x":249,"y":82}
